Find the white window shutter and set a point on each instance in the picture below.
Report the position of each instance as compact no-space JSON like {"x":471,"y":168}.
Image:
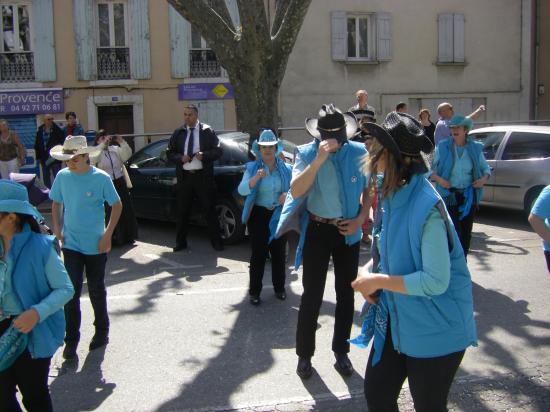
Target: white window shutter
{"x":180,"y":42}
{"x":211,"y":112}
{"x":458,"y":20}
{"x":339,"y":28}
{"x":383,"y":36}
{"x":84,"y":36}
{"x":445,"y":34}
{"x":234,"y":12}
{"x":140,"y":55}
{"x":43,"y":41}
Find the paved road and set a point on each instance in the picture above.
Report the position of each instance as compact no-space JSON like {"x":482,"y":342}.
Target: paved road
{"x":185,"y":338}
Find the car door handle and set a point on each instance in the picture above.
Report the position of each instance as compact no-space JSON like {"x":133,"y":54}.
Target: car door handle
{"x":154,"y":178}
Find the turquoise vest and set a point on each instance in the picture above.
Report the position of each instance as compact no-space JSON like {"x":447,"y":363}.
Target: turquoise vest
{"x":424,"y":327}
{"x":347,"y":162}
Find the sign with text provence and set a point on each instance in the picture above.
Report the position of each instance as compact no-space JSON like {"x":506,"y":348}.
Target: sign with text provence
{"x":205,"y":91}
{"x":36,"y":101}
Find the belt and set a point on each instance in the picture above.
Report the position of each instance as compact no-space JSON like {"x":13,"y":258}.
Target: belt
{"x":192,"y":172}
{"x":320,"y":219}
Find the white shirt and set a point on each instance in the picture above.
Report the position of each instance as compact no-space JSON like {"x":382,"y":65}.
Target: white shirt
{"x":194,"y":164}
{"x":111,"y":159}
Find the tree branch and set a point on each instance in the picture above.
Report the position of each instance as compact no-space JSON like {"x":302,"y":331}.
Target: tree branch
{"x":280,"y":13}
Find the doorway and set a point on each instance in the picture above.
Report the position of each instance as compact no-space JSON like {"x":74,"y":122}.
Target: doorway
{"x":117,"y":120}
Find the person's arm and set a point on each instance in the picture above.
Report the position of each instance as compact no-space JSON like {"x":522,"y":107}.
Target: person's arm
{"x":475,"y":114}
{"x":172,"y":152}
{"x":244,"y":187}
{"x":105,"y":241}
{"x":124,"y":151}
{"x":350,"y":226}
{"x":21,"y":151}
{"x":57,"y":220}
{"x":485,"y":170}
{"x":539,"y":226}
{"x":215,"y":151}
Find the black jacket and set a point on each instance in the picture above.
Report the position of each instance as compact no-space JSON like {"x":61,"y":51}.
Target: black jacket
{"x":56,"y":137}
{"x":209,"y":146}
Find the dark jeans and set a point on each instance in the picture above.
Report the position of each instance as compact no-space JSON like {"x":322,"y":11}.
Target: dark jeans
{"x":323,"y":241}
{"x":198,"y":186}
{"x":75,"y":263}
{"x":463,"y":227}
{"x":547,"y":256}
{"x":49,"y":172}
{"x":430,"y":379}
{"x":126,"y":230}
{"x":258,"y":227}
{"x":30,"y":376}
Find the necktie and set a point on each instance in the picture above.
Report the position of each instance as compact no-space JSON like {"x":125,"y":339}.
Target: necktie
{"x":190,"y":142}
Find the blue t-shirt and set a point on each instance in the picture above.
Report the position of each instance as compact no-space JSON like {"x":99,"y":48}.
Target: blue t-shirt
{"x":83,"y":197}
{"x":541,"y":209}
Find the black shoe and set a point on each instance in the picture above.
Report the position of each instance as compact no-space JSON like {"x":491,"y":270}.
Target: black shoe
{"x":280,"y":295}
{"x":304,"y":369}
{"x":99,"y":340}
{"x":255,"y":300}
{"x":70,"y":350}
{"x":343,"y":364}
{"x":217,"y":245}
{"x":180,"y":246}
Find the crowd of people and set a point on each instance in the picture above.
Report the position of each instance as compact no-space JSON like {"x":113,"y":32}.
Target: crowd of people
{"x":356,"y":180}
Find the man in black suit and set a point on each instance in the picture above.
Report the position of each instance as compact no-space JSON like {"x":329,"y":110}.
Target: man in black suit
{"x":47,"y":136}
{"x":193,"y":148}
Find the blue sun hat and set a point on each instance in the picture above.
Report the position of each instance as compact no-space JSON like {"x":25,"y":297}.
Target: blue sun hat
{"x":267,"y":138}
{"x":14,"y":198}
{"x":459,"y":120}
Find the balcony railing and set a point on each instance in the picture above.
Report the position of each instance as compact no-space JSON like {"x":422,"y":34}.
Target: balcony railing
{"x":204,"y":63}
{"x":113,"y":63}
{"x":17,"y":67}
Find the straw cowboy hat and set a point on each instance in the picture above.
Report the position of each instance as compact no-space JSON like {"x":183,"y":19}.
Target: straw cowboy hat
{"x":74,"y":146}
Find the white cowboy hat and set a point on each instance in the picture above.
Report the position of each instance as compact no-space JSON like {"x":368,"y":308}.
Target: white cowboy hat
{"x":74,"y":146}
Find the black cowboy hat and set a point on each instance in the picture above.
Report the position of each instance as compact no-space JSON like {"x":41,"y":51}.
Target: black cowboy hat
{"x":401,"y":134}
{"x":360,"y":113}
{"x":332,"y":124}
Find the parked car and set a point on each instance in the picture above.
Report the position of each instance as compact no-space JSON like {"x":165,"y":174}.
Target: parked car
{"x":153,"y":178}
{"x":519,"y":157}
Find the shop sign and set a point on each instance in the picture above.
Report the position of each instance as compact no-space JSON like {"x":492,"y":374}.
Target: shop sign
{"x":205,"y":91}
{"x":38,"y":101}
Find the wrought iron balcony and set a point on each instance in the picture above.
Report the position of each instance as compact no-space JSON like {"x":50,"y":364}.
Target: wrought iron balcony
{"x":204,"y":63}
{"x":113,"y":63}
{"x":17,"y":67}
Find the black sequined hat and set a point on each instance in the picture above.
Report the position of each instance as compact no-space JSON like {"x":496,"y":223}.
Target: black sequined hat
{"x":332,"y":123}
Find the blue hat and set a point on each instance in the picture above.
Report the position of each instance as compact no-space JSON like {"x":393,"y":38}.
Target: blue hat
{"x":15,"y":199}
{"x":267,"y":138}
{"x":459,"y":120}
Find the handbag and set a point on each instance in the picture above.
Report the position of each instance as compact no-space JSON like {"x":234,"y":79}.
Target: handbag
{"x":126,"y":177}
{"x":12,"y":344}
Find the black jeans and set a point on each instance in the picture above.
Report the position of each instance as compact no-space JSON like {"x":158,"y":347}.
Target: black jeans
{"x":547,"y":256}
{"x":430,"y":379}
{"x":323,"y":241}
{"x":202,"y":187}
{"x":463,"y":227}
{"x":75,"y":263}
{"x":30,"y":376}
{"x":258,"y":227}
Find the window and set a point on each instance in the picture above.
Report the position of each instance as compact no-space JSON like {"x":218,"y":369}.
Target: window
{"x":152,"y":156}
{"x":113,"y":53}
{"x":451,"y":38}
{"x":491,"y":142}
{"x":522,"y":146}
{"x":360,"y":37}
{"x":203,"y":61}
{"x":17,"y":60}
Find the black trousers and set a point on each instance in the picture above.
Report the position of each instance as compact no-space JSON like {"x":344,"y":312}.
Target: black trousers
{"x":202,"y":187}
{"x":258,"y":227}
{"x":547,"y":257}
{"x":75,"y":263}
{"x":430,"y":379}
{"x":30,"y":376}
{"x":126,"y":230}
{"x":463,"y":227}
{"x":323,"y":241}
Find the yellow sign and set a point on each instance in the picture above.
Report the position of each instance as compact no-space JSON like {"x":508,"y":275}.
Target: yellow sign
{"x":220,"y":90}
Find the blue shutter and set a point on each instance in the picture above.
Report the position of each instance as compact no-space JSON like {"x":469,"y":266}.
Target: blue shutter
{"x":339,"y":31}
{"x":211,"y":112}
{"x":84,"y":37}
{"x":446,"y":35}
{"x":43,"y":41}
{"x":458,"y":41}
{"x":383,"y":36}
{"x":140,"y":56}
{"x":180,"y":42}
{"x":234,"y":12}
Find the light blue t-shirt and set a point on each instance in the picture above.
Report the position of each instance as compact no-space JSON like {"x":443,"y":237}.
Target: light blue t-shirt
{"x":83,"y":197}
{"x":269,"y":189}
{"x":541,"y":209}
{"x":462,"y":174}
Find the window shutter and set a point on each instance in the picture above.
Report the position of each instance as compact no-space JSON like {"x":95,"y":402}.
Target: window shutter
{"x":43,"y":41}
{"x":180,"y":42}
{"x":383,"y":36}
{"x":234,"y":12}
{"x":458,"y":20}
{"x":339,"y":29}
{"x":140,"y":56}
{"x":445,"y":31}
{"x":211,"y":112}
{"x":84,"y":36}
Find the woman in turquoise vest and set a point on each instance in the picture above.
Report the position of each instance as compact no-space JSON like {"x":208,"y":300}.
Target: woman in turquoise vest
{"x":265,"y":183}
{"x":460,"y":171}
{"x":34,"y":287}
{"x":419,"y":292}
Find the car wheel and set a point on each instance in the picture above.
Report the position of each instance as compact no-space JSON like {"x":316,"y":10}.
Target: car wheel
{"x":229,"y":218}
{"x":530,"y":199}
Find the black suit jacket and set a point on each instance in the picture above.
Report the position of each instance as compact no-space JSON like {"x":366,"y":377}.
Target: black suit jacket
{"x":209,"y":146}
{"x":56,"y":138}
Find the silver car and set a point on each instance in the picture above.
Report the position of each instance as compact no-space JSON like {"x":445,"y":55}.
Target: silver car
{"x":519,"y":157}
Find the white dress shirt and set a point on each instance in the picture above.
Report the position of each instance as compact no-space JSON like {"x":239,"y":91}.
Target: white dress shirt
{"x":194,"y":164}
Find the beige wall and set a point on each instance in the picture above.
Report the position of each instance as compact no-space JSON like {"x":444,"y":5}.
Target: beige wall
{"x":543,"y":69}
